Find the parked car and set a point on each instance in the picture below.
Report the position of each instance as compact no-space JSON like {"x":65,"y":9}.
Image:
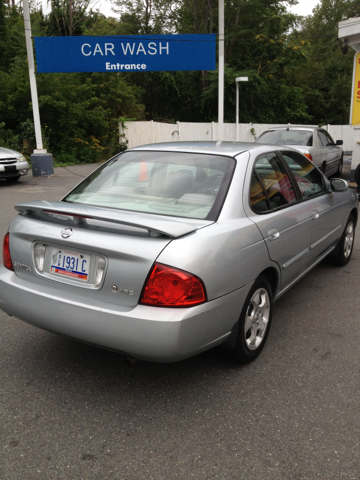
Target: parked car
{"x":171,"y":249}
{"x":13,"y":165}
{"x":313,"y":142}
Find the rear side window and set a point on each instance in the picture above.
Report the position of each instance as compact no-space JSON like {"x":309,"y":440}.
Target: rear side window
{"x":271,"y":187}
{"x":287,"y":137}
{"x":308,"y":178}
{"x":164,"y":183}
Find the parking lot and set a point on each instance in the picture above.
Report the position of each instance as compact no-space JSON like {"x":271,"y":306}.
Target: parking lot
{"x":72,"y":411}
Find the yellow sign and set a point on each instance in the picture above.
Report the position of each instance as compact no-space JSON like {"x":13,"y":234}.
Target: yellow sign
{"x":355,"y":117}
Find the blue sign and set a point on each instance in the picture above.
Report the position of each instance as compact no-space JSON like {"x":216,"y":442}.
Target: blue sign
{"x":136,"y":53}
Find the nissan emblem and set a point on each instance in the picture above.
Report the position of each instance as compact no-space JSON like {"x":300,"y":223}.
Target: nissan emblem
{"x":66,"y":233}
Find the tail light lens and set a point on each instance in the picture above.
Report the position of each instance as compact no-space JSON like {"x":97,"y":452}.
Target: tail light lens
{"x":309,"y":156}
{"x":99,"y":271}
{"x":39,"y":256}
{"x":6,"y":253}
{"x":170,"y":287}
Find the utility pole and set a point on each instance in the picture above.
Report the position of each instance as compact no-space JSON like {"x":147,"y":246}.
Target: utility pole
{"x":33,"y":87}
{"x":41,"y":161}
{"x":221,"y":73}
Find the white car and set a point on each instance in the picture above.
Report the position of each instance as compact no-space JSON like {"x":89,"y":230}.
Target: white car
{"x":13,"y":165}
{"x":313,"y":142}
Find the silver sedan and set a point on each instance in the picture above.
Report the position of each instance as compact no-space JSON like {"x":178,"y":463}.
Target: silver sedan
{"x":313,"y":142}
{"x":168,"y":250}
{"x":13,"y":165}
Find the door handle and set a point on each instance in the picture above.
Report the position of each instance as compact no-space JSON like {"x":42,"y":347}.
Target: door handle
{"x":315,"y":215}
{"x":273,"y":234}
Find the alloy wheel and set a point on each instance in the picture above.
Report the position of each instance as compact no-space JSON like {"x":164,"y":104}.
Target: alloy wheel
{"x":257,"y":318}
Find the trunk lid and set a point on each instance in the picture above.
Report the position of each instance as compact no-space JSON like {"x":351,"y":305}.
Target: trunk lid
{"x":126,"y":243}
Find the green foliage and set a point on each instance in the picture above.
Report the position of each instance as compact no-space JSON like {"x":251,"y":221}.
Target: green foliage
{"x":81,"y":111}
{"x":8,"y":138}
{"x":327,"y":76}
{"x":67,"y":17}
{"x":261,"y":99}
{"x":171,"y":96}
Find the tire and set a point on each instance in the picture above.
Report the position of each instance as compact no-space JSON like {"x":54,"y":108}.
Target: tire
{"x":254,"y":322}
{"x":12,"y":179}
{"x":344,"y":250}
{"x":323,"y":168}
{"x":357,"y":175}
{"x":340,"y":167}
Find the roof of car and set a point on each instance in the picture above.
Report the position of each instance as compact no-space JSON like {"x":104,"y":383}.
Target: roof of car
{"x":209,"y":147}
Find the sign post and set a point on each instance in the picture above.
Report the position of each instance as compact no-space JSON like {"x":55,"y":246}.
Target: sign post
{"x":33,"y":88}
{"x":41,"y":161}
{"x":221,"y":72}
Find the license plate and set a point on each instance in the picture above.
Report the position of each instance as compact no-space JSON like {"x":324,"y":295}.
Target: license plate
{"x":70,"y":264}
{"x":10,"y":168}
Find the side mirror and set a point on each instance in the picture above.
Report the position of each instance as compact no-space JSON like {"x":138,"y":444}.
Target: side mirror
{"x":339,"y":142}
{"x":339,"y":185}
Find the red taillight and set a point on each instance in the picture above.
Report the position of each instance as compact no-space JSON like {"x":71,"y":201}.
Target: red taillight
{"x":170,"y":287}
{"x":6,"y":253}
{"x":309,"y":156}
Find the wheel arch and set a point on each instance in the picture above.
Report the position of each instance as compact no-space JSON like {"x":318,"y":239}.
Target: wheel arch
{"x":273,"y":277}
{"x":354,"y":213}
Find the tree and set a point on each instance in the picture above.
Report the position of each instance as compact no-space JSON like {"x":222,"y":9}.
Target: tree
{"x":67,"y":16}
{"x":326,"y":78}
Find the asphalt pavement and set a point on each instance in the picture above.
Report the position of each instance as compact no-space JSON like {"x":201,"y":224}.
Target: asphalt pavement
{"x":74,"y":412}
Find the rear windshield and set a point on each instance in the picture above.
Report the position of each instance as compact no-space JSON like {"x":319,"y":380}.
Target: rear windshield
{"x":287,"y":137}
{"x":165,"y":183}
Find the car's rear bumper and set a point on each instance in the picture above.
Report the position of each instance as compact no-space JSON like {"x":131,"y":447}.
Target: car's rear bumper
{"x":149,"y":333}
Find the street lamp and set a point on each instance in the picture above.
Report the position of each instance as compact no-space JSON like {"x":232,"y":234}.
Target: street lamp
{"x":237,"y":80}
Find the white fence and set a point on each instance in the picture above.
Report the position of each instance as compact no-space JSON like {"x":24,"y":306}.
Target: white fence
{"x":141,"y":133}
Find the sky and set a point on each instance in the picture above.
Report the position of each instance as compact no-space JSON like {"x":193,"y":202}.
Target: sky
{"x":303,"y":8}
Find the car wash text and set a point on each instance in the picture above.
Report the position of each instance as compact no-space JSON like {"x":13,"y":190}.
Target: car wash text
{"x":132,"y":49}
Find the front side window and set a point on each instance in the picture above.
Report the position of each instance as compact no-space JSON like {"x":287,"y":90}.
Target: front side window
{"x":164,"y":183}
{"x":271,"y":187}
{"x":308,"y":178}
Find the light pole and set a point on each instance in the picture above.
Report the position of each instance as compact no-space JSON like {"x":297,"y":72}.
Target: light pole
{"x":33,"y":88}
{"x":237,"y":80}
{"x":221,"y":73}
{"x":41,"y":161}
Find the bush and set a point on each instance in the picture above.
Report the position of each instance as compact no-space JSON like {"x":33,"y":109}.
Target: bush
{"x":8,"y":139}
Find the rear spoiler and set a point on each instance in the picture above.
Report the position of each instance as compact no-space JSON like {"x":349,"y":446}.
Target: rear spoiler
{"x":156,"y":225}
